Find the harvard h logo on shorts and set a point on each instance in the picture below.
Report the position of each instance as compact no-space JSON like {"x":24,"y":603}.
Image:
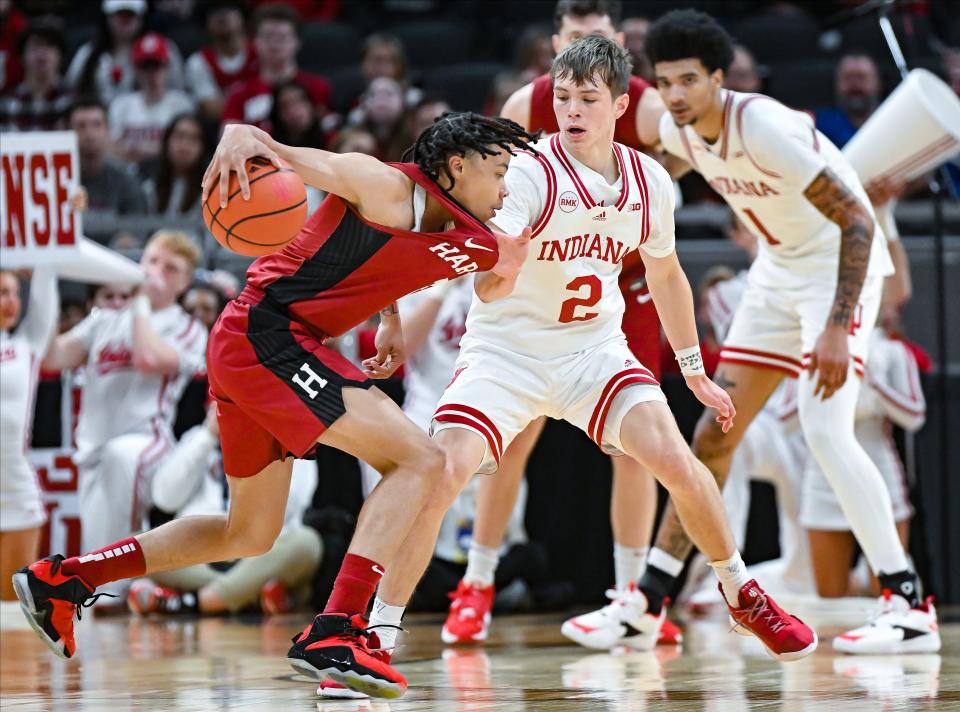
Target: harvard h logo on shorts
{"x":306,"y":383}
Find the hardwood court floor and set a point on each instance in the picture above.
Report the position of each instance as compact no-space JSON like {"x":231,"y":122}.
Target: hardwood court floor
{"x":127,"y":664}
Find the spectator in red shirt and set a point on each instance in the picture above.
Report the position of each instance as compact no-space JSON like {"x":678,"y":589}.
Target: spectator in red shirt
{"x":276,"y":42}
{"x":228,"y":60}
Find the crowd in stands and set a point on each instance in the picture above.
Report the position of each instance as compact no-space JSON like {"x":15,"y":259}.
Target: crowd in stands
{"x":148,"y":90}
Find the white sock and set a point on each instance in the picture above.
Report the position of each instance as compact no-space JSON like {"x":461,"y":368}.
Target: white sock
{"x":386,"y":615}
{"x":667,"y":563}
{"x":858,"y":484}
{"x":628,"y":564}
{"x":481,"y":565}
{"x":732,"y":573}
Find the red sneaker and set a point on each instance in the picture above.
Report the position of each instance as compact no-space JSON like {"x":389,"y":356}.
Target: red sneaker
{"x":146,"y":597}
{"x":670,"y":634}
{"x":335,"y":646}
{"x":276,"y":599}
{"x":469,"y":617}
{"x":49,"y":598}
{"x":785,"y":636}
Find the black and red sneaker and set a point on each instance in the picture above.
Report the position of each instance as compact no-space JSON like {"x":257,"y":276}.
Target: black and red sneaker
{"x":49,"y":598}
{"x":337,"y":647}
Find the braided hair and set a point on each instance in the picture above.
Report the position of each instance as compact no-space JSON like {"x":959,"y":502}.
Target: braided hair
{"x":456,"y":133}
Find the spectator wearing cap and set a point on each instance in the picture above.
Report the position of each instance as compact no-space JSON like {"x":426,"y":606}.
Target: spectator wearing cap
{"x":228,"y":60}
{"x":104,"y":67}
{"x":41,"y":100}
{"x":111,"y":185}
{"x":276,"y":41}
{"x":138,"y":119}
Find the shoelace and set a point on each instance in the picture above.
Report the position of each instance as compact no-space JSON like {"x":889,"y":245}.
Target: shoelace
{"x":90,"y":601}
{"x":760,"y":605}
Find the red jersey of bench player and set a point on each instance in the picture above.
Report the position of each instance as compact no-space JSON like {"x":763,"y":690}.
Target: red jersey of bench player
{"x":277,"y":387}
{"x":641,"y":325}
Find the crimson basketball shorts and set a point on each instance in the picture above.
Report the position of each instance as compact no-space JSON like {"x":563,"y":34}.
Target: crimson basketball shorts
{"x":276,"y":386}
{"x":641,"y":323}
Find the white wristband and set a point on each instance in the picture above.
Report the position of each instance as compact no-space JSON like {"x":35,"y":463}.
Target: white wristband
{"x":141,"y":305}
{"x":691,"y":361}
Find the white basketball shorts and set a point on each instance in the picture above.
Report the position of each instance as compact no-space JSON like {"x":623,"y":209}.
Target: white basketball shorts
{"x":496,"y":393}
{"x":21,"y":499}
{"x":778,"y":329}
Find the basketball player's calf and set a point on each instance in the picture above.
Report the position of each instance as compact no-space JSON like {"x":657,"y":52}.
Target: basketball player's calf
{"x":650,"y":435}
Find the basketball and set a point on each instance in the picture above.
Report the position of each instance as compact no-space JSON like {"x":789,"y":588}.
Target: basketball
{"x":271,"y":218}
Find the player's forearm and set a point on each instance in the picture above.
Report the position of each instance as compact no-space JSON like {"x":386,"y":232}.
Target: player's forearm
{"x":418,"y":322}
{"x":489,"y":286}
{"x":673,"y":298}
{"x":151,"y":354}
{"x":838,"y":204}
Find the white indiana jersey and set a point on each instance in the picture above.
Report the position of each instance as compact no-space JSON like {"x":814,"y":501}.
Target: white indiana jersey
{"x":20,"y":355}
{"x":430,"y":369}
{"x":765,"y":158}
{"x":116,"y":398}
{"x":566,"y":298}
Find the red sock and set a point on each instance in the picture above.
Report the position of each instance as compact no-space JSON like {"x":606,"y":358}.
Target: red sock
{"x":354,"y":587}
{"x":122,"y":559}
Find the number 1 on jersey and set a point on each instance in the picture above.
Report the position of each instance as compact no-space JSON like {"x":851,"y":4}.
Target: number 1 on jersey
{"x":594,"y":293}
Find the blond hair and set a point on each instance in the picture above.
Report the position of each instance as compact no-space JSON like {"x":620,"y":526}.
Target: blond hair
{"x":179,"y":243}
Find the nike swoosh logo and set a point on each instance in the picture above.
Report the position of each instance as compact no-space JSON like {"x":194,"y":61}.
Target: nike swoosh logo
{"x":911,"y":633}
{"x":377,"y":570}
{"x":473,"y":245}
{"x":581,"y":626}
{"x":644,"y":298}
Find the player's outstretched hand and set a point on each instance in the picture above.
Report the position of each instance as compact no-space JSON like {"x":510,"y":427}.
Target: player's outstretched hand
{"x":831,"y":358}
{"x":238,"y":144}
{"x":713,"y":396}
{"x":513,"y":253}
{"x":389,"y":343}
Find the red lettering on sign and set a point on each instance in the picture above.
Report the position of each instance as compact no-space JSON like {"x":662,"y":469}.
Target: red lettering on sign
{"x":41,"y":223}
{"x":13,"y":181}
{"x":63,"y":173}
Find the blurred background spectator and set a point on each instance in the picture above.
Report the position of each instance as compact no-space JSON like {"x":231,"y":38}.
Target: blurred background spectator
{"x":634,"y":31}
{"x":105,"y":66}
{"x":858,"y":86}
{"x":40,"y":101}
{"x":138,"y":118}
{"x":13,"y":21}
{"x":382,"y":112}
{"x":294,"y":117}
{"x":276,"y":40}
{"x":229,"y":59}
{"x":173,"y":184}
{"x":742,"y":75}
{"x":110,"y":183}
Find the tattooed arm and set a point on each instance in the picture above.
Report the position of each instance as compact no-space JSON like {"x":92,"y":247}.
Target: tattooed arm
{"x":838,"y":204}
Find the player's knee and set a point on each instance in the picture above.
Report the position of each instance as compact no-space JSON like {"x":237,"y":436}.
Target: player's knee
{"x":251,"y":539}
{"x":674,"y":468}
{"x":429,"y":458}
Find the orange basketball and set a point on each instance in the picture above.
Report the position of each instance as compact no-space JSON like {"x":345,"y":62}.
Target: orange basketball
{"x":271,"y":218}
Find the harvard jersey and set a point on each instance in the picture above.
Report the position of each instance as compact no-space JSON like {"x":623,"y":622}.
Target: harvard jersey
{"x":543,"y":118}
{"x":566,"y":298}
{"x":763,"y":161}
{"x":342,"y":268}
{"x":119,"y":400}
{"x":428,"y":371}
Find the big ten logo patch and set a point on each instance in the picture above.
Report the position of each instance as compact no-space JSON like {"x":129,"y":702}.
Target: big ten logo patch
{"x":569,"y":201}
{"x":59,"y":480}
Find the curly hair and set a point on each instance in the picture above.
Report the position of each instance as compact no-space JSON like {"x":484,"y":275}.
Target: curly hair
{"x":689,"y":34}
{"x":457,"y":133}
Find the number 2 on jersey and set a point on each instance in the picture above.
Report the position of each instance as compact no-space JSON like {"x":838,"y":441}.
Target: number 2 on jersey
{"x":594,"y":292}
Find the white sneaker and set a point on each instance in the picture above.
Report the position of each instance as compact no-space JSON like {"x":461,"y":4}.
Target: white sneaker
{"x":897,"y":628}
{"x":624,"y":621}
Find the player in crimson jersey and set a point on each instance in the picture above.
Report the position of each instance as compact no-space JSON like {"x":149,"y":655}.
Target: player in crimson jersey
{"x":384,"y":230}
{"x":633,"y":501}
